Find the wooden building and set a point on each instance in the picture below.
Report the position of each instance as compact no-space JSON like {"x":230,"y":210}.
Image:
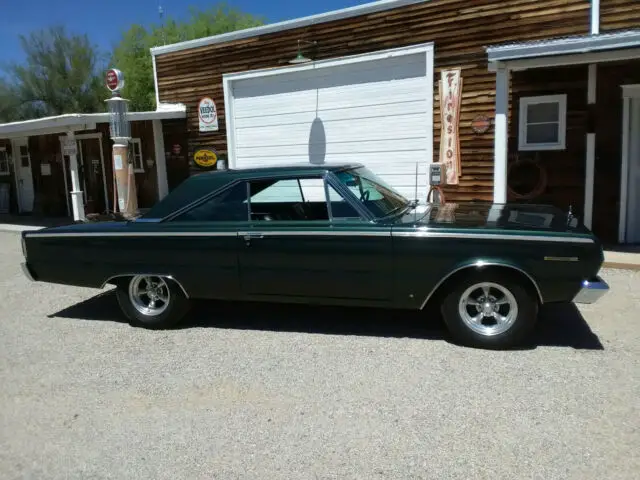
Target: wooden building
{"x":541,"y":99}
{"x":37,"y":178}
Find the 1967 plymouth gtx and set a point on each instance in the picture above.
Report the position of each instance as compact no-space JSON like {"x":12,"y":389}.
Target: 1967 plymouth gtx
{"x":329,"y":234}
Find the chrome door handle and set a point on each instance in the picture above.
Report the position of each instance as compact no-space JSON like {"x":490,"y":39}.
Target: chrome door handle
{"x":250,"y":235}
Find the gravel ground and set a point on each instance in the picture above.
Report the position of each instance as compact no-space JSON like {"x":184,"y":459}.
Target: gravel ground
{"x":262,"y":392}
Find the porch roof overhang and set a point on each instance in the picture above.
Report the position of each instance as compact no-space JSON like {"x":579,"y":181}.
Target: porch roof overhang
{"x":73,"y":122}
{"x":575,"y":50}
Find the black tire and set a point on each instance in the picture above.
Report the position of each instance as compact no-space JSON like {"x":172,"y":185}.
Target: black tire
{"x":505,"y":335}
{"x":176,"y":306}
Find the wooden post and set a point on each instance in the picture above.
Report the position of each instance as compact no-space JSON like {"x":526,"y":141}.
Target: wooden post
{"x":501,"y":136}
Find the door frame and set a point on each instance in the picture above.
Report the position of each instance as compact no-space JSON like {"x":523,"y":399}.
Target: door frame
{"x":83,"y":136}
{"x":15,"y":157}
{"x":629,"y":92}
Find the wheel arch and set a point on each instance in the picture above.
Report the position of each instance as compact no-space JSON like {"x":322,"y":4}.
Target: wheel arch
{"x":458,"y":272}
{"x":116,"y":279}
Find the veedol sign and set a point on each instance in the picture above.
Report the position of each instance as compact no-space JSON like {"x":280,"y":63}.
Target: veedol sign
{"x":207,"y":115}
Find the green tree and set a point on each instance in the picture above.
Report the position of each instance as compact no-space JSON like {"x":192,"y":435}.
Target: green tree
{"x":61,"y":74}
{"x":132,"y":56}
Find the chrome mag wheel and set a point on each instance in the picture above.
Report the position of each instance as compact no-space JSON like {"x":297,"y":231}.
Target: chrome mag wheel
{"x":149,"y":294}
{"x":488,"y":308}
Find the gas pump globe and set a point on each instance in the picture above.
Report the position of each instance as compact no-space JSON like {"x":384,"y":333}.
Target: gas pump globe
{"x":119,"y":126}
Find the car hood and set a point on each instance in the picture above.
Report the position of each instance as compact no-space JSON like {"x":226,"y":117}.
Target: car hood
{"x":488,"y":216}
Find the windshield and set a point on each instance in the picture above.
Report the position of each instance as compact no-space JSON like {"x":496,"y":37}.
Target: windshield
{"x":380,"y":198}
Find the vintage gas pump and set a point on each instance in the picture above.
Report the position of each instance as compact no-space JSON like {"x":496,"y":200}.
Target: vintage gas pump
{"x":437,"y":179}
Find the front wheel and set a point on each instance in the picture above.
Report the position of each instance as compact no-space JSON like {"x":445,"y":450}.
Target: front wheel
{"x":490,"y":310}
{"x":151,"y":301}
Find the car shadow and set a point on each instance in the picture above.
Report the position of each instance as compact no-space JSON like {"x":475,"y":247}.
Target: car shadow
{"x":560,"y":325}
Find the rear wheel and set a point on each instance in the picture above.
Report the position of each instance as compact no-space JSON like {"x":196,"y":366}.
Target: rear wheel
{"x":152,"y":301}
{"x":490,"y":310}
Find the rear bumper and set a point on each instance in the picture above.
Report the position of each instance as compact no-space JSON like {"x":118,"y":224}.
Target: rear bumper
{"x":26,"y":271}
{"x":591,"y":291}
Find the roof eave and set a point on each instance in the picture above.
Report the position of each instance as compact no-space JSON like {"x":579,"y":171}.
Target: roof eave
{"x":84,"y":121}
{"x":325,"y":17}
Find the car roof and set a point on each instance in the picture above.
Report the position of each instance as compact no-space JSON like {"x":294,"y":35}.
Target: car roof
{"x":204,"y":183}
{"x":262,"y":169}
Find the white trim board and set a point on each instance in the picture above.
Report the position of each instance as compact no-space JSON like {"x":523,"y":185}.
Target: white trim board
{"x":564,"y":60}
{"x":229,"y":78}
{"x":367,"y":8}
{"x":628,"y":92}
{"x":85,"y":136}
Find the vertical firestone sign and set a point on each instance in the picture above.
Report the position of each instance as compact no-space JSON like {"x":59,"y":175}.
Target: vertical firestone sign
{"x":207,"y":115}
{"x":450,"y":97}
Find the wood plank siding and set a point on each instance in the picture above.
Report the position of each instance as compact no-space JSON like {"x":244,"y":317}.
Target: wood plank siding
{"x":565,"y":169}
{"x":619,"y":15}
{"x":460,"y":30}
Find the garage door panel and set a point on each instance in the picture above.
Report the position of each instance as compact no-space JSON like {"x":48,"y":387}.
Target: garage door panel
{"x":378,"y":112}
{"x":344,"y":113}
{"x":327,"y":100}
{"x":403,"y":162}
{"x":395,"y":145}
{"x":335,"y":131}
{"x":393,"y":69}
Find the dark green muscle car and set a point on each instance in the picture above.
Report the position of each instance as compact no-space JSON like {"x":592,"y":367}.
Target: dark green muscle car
{"x":329,"y":234}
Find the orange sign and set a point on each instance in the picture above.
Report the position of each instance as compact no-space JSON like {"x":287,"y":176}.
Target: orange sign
{"x":450,"y":98}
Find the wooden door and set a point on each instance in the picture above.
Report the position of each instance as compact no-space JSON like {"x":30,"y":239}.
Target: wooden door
{"x":90,"y":162}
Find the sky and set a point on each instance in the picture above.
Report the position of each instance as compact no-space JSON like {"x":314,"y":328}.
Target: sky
{"x":104,"y":21}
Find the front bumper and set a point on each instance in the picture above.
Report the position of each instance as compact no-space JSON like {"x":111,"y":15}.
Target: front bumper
{"x":25,"y":270}
{"x":591,"y":291}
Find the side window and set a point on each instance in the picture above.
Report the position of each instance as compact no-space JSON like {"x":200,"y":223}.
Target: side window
{"x":340,"y":208}
{"x":288,"y":200}
{"x":228,"y":206}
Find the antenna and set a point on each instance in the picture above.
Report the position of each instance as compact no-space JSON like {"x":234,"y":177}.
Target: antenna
{"x":416,"y":191}
{"x":415,"y":210}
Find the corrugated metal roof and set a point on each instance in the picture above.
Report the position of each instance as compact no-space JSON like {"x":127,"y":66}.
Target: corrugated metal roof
{"x":564,"y":45}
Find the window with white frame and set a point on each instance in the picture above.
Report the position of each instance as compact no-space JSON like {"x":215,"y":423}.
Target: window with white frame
{"x":543,"y":123}
{"x":136,"y":151}
{"x":4,"y":162}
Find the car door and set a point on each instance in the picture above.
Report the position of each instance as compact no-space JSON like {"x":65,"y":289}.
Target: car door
{"x":199,"y":245}
{"x":299,"y":245}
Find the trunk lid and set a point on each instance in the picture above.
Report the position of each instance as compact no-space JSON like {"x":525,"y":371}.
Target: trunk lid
{"x":488,"y":216}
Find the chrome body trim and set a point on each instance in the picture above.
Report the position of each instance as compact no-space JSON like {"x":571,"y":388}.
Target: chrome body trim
{"x":481,"y":264}
{"x":434,"y":233}
{"x":318,"y":233}
{"x":591,"y":291}
{"x":138,"y":234}
{"x":26,"y":272}
{"x":341,"y":233}
{"x":170,"y":277}
{"x":561,"y":259}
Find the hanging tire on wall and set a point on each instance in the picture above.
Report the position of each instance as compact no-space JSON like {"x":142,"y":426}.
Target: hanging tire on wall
{"x":490,"y":309}
{"x":151,"y":301}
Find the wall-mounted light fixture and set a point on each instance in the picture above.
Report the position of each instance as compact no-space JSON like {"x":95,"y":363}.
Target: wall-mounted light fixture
{"x":300,"y":58}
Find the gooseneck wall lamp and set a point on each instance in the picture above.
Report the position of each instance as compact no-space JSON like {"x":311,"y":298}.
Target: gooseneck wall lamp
{"x":300,"y":58}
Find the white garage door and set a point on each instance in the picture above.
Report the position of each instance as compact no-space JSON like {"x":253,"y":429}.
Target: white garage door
{"x":376,"y":111}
